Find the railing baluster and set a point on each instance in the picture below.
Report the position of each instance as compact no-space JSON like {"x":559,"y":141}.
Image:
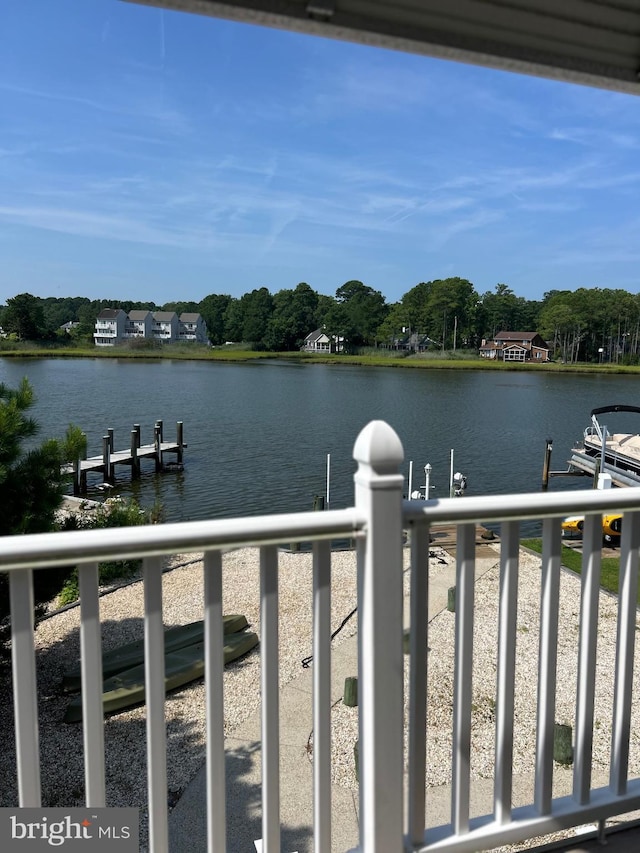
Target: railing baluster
{"x":625,"y":642}
{"x":270,"y":678}
{"x":321,"y":696}
{"x":91,"y":669}
{"x":548,"y":653}
{"x":379,"y":453}
{"x":25,"y":702}
{"x":589,"y":594}
{"x":462,"y":691}
{"x":505,"y":688}
{"x":418,"y":662}
{"x":154,"y":696}
{"x":214,"y":686}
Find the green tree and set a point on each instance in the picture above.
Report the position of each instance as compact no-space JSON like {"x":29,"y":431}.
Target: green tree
{"x":365,"y":309}
{"x":502,"y":310}
{"x":31,"y":482}
{"x":234,"y":320}
{"x":257,"y":308}
{"x":213,"y":309}
{"x":24,"y":316}
{"x":294,"y":316}
{"x":443,"y":309}
{"x":395,"y":324}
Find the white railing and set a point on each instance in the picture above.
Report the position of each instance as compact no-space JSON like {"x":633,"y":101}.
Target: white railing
{"x":376,"y":523}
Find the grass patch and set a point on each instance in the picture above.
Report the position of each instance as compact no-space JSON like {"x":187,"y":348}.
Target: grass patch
{"x":610,"y":570}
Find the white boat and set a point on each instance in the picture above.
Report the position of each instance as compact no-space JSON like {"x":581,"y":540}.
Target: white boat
{"x":621,"y":449}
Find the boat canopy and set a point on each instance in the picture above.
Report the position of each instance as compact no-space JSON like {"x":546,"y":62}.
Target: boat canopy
{"x":604,"y":409}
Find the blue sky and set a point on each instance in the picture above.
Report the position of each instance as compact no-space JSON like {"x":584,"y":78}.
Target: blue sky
{"x":151,"y":155}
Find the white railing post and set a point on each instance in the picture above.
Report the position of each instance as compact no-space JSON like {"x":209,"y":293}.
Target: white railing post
{"x":378,"y":496}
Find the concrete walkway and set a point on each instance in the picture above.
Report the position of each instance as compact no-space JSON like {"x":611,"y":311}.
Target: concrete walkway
{"x":187,"y":821}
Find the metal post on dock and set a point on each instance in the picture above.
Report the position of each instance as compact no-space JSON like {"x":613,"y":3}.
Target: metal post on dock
{"x":451,"y":491}
{"x":546,"y":465}
{"x":179,"y":440}
{"x":157,"y":441}
{"x":83,"y":474}
{"x":106,"y":459}
{"x":328,"y":479}
{"x":135,"y":462}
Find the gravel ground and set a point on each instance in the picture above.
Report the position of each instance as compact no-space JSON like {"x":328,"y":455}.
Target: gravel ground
{"x":440,"y":689}
{"x":121,"y":613}
{"x":57,"y":640}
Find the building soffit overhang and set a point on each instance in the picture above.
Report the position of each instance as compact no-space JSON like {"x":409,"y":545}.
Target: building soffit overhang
{"x":592,"y":42}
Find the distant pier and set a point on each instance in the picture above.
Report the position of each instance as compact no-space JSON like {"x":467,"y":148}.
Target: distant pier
{"x":106,"y":463}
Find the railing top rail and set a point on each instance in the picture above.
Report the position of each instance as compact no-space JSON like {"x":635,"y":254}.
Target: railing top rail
{"x":522,"y":507}
{"x":85,"y":546}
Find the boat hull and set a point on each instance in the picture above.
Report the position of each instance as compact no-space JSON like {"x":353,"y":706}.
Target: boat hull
{"x":182,"y":666}
{"x":132,"y":654}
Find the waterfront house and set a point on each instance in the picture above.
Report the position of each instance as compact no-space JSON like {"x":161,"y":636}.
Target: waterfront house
{"x":165,"y":326}
{"x":319,"y":341}
{"x":516,"y":346}
{"x":193,"y":328}
{"x":139,"y":324}
{"x":114,"y":326}
{"x":110,"y":327}
{"x":408,"y":342}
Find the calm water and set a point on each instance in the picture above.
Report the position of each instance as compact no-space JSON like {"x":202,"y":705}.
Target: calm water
{"x":258,"y":434}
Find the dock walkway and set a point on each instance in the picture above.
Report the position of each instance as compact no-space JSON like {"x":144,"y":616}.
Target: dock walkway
{"x":106,"y":462}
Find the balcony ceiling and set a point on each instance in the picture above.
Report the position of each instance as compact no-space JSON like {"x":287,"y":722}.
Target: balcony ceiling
{"x":594,"y":42}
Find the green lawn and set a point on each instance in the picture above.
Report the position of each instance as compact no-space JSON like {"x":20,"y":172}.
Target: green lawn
{"x":573,"y":560}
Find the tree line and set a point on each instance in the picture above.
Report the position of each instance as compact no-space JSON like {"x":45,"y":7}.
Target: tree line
{"x":587,"y":325}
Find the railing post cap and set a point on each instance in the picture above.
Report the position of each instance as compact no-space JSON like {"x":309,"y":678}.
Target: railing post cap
{"x":379,"y":447}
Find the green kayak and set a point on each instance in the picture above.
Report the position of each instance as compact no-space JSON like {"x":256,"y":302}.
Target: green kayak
{"x":181,"y":666}
{"x":132,"y":654}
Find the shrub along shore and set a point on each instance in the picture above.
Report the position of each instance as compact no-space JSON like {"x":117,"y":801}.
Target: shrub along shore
{"x":435,"y":360}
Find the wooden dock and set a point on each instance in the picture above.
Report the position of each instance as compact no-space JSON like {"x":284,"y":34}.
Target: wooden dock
{"x":105,"y":464}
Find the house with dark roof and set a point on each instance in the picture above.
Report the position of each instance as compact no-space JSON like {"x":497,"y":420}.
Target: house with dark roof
{"x":320,"y":341}
{"x":110,"y":326}
{"x":139,"y":324}
{"x":516,"y":347}
{"x":192,"y":327}
{"x":114,"y":326}
{"x":408,"y":342}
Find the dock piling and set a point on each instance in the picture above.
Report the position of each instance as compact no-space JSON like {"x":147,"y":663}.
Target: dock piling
{"x":179,"y":440}
{"x":106,"y":459}
{"x":157,"y":440}
{"x":135,"y":462}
